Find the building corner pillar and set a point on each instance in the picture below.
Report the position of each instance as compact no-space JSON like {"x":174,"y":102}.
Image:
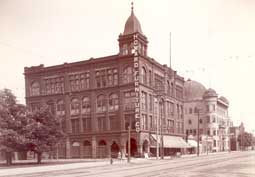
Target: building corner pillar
{"x":68,"y":149}
{"x":94,"y":147}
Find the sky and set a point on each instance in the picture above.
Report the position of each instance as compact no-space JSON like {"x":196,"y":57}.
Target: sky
{"x":212,"y":41}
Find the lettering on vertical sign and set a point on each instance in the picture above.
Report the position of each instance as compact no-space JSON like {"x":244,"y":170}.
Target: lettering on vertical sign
{"x":136,"y":79}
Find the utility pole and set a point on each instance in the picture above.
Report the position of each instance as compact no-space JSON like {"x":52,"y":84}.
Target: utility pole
{"x":197,"y":132}
{"x":157,"y":131}
{"x":207,"y":144}
{"x":170,"y":52}
{"x":161,"y":133}
{"x":129,"y":142}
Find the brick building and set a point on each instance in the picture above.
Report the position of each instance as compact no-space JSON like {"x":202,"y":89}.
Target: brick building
{"x":99,"y":98}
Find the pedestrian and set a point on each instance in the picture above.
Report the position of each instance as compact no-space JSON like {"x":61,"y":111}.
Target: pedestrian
{"x":111,"y":161}
{"x":119,"y":155}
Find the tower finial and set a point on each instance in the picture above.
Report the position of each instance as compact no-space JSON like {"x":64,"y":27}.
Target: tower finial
{"x":132,"y":6}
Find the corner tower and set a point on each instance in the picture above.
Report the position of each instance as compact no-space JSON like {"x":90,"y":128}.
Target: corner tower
{"x":132,"y":36}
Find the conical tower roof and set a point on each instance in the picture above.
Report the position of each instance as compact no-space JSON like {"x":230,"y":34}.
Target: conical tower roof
{"x":132,"y":24}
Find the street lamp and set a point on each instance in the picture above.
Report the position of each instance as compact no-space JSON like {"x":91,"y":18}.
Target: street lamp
{"x":159,"y":129}
{"x":157,"y":144}
{"x":207,"y":144}
{"x":198,"y":133}
{"x":129,"y":127}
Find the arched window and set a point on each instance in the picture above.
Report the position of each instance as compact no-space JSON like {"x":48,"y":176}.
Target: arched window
{"x":101,"y":103}
{"x":35,"y":89}
{"x":150,"y":78}
{"x":143,"y":76}
{"x":128,"y":75}
{"x":172,"y":89}
{"x":113,"y":102}
{"x":169,"y":88}
{"x":75,"y":151}
{"x":85,"y":105}
{"x":75,"y":106}
{"x":87,"y":149}
{"x":102,"y":149}
{"x":60,"y":107}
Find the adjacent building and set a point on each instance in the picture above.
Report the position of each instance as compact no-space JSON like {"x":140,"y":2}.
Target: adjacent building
{"x":206,"y":117}
{"x":100,"y":98}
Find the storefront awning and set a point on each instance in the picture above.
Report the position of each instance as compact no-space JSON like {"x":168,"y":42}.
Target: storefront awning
{"x":170,"y":141}
{"x":192,"y":143}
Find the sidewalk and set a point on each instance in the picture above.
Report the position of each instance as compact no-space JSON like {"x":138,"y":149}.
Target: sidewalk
{"x":69,"y":164}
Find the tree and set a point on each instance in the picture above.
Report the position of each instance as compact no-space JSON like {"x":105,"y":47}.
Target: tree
{"x":12,"y":122}
{"x":245,"y":139}
{"x":45,"y":132}
{"x":22,"y":130}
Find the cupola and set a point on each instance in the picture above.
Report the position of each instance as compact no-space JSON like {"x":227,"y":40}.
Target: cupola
{"x":132,"y":36}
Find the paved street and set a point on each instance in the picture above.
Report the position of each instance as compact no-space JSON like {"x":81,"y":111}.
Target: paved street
{"x":235,"y":164}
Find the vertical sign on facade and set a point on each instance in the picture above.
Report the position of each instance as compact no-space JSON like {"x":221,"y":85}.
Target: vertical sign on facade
{"x":136,"y":79}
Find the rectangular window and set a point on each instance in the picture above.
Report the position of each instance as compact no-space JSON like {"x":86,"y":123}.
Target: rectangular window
{"x":181,"y":127}
{"x":181,"y":111}
{"x":194,"y":132}
{"x":54,"y":85}
{"x":101,"y":121}
{"x":63,"y":125}
{"x":178,"y":111}
{"x":172,"y":108}
{"x":75,"y":126}
{"x":179,"y":92}
{"x":214,"y":143}
{"x":208,"y":119}
{"x":129,"y":119}
{"x":144,"y":122}
{"x":213,"y":119}
{"x":190,"y":110}
{"x":114,"y":123}
{"x":151,"y":122}
{"x":208,"y":108}
{"x":170,"y":126}
{"x":86,"y":124}
{"x":200,"y":121}
{"x":79,"y":81}
{"x":168,"y":111}
{"x":150,"y":103}
{"x":129,"y":100}
{"x":208,"y":132}
{"x":150,"y":78}
{"x":106,"y":77}
{"x":214,"y":132}
{"x":144,"y":101}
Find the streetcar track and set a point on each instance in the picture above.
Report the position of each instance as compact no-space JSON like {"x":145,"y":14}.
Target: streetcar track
{"x":189,"y":166}
{"x":108,"y":169}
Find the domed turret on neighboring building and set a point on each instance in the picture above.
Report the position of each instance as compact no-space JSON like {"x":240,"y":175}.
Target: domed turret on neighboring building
{"x":210,"y":93}
{"x":223,"y":99}
{"x":193,"y":90}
